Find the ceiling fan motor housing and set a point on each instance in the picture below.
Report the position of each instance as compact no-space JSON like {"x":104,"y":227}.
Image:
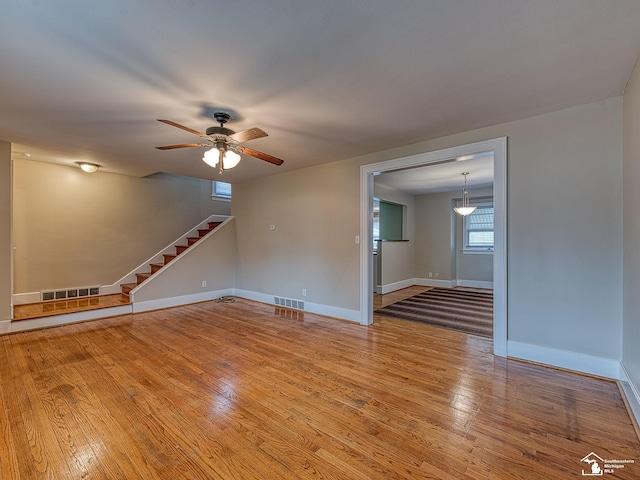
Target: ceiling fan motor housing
{"x":219,"y":131}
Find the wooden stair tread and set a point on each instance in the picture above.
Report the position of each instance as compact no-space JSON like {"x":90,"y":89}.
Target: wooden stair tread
{"x":127,"y":287}
{"x":141,"y":277}
{"x":168,"y":257}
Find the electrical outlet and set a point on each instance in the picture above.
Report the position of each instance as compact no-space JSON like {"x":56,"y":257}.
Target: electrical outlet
{"x":272,"y":227}
{"x":304,"y":292}
{"x":430,"y":275}
{"x":204,"y":283}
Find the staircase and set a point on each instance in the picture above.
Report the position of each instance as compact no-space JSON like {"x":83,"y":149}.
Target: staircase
{"x":168,"y":257}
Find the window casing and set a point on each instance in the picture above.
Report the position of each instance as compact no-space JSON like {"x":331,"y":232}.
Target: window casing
{"x":221,"y":190}
{"x":478,"y":230}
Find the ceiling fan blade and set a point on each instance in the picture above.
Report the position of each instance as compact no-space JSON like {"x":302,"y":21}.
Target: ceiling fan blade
{"x":182,"y":127}
{"x":247,"y":135}
{"x":182,"y":145}
{"x":260,"y":155}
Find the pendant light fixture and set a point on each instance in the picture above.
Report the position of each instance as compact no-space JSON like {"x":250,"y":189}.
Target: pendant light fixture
{"x":465,"y":209}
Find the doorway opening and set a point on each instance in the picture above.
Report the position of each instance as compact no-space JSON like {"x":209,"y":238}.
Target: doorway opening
{"x":498,"y":148}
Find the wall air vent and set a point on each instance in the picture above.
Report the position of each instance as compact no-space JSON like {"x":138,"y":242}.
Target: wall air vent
{"x":289,"y":303}
{"x":69,"y":293}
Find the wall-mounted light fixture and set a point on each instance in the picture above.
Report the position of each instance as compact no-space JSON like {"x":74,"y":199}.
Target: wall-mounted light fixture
{"x":88,"y":167}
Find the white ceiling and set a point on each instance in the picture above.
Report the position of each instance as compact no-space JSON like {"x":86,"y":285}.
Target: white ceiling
{"x":86,"y":80}
{"x":442,"y":176}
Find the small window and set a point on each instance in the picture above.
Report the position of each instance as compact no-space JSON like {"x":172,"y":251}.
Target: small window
{"x":478,"y":230}
{"x":221,"y":190}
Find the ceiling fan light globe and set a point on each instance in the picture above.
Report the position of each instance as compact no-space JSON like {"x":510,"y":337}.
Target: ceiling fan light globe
{"x":211,"y":157}
{"x":230,"y":160}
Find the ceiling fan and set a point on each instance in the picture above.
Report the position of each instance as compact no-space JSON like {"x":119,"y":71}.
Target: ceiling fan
{"x":225,"y":143}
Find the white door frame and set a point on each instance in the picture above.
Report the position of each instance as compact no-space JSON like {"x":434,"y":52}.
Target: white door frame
{"x":499,"y":148}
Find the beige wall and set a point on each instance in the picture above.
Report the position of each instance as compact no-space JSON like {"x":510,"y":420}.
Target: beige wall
{"x":433,"y":236}
{"x":565,"y":228}
{"x":5,"y":231}
{"x":316,"y":214}
{"x":211,"y":260}
{"x":401,"y":198}
{"x":396,"y":265}
{"x":397,"y":259}
{"x":436,"y":251}
{"x":631,"y":303}
{"x":74,"y":229}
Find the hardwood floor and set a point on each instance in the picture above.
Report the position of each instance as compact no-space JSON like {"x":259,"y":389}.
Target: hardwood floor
{"x":380,"y":301}
{"x":244,"y":390}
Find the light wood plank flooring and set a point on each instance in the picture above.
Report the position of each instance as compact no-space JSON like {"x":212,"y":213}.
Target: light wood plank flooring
{"x":245,"y":391}
{"x":380,"y":301}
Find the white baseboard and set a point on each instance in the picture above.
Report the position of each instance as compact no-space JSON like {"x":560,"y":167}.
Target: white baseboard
{"x":181,"y":300}
{"x":25,"y":298}
{"x":631,"y":392}
{"x":255,"y":296}
{"x":578,"y":362}
{"x":433,"y":282}
{"x":473,"y":284}
{"x":110,"y":289}
{"x":335,"y":312}
{"x":5,"y":326}
{"x":392,"y":287}
{"x":326,"y":310}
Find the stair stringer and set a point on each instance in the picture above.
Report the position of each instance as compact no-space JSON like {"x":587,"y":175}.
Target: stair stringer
{"x":212,"y":260}
{"x":158,"y":257}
